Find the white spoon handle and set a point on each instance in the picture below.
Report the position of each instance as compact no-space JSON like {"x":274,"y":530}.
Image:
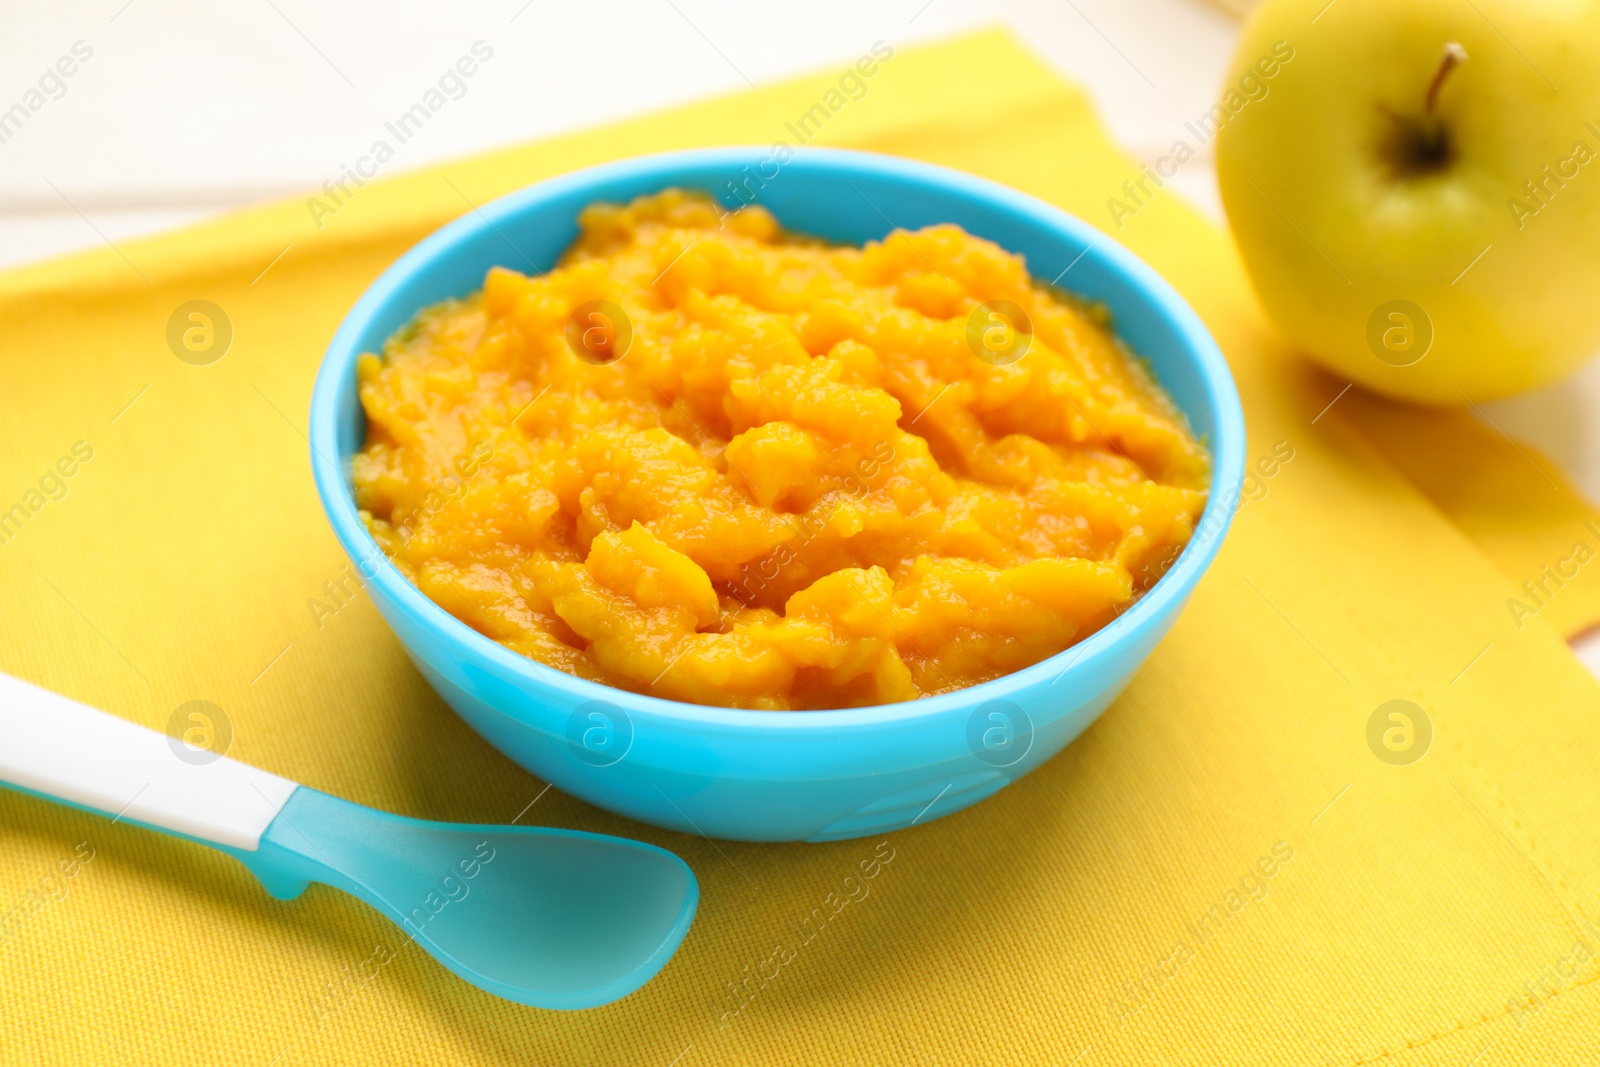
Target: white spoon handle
{"x":71,"y":752}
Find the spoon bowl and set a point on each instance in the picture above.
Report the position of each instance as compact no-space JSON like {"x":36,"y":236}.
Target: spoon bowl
{"x":547,"y":917}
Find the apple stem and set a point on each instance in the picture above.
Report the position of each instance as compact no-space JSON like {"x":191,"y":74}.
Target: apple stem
{"x":1454,"y":56}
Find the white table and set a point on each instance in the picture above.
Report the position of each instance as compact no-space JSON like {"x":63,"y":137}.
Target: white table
{"x":188,"y":110}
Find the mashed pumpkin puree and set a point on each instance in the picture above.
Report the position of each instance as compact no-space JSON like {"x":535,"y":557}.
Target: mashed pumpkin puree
{"x":783,"y":474}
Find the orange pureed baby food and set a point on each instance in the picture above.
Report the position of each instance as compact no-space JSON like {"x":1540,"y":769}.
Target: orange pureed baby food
{"x":712,"y":461}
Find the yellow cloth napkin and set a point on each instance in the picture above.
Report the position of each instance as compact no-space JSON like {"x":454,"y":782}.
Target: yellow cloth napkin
{"x":1507,"y":496}
{"x":1221,"y":871}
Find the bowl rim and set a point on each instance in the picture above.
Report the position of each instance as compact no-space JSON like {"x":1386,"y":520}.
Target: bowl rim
{"x":1162,"y":600}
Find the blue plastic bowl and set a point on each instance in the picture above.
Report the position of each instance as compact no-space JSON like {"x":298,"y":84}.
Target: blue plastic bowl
{"x":759,"y":775}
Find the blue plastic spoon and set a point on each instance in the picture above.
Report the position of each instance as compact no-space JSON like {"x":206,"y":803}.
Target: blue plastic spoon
{"x":551,"y":918}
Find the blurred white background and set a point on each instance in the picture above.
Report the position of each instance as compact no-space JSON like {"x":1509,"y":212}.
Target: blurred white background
{"x":186,"y":110}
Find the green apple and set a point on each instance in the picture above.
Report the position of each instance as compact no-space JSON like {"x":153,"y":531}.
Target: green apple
{"x":1415,"y":191}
